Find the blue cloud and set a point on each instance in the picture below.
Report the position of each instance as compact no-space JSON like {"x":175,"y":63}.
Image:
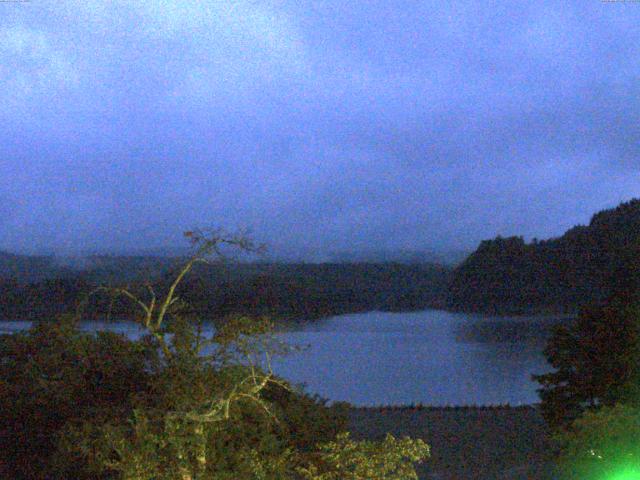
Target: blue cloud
{"x":323,"y":125}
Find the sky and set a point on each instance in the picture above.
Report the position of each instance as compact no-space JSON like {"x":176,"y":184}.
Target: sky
{"x":320,"y":126}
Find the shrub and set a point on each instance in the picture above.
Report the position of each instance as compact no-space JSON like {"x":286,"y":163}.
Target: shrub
{"x":603,"y":444}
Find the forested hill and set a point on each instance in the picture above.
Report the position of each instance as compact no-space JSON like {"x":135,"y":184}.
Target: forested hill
{"x":283,"y":291}
{"x":308,"y":290}
{"x":587,"y":263}
{"x":30,"y":268}
{"x":24,"y":269}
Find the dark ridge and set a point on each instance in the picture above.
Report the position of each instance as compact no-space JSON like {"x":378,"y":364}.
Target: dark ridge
{"x":288,"y":292}
{"x":588,"y":264}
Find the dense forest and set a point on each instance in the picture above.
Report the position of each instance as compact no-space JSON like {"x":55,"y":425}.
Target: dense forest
{"x":586,"y":264}
{"x":33,"y":289}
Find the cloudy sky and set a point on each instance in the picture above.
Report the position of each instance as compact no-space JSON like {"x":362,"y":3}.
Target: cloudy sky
{"x":321,"y":125}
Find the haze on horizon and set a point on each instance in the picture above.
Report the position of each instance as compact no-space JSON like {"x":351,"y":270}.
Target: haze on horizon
{"x":322,"y":126}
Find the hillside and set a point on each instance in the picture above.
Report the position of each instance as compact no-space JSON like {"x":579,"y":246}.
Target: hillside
{"x":587,"y":263}
{"x":307,"y":290}
{"x":99,"y":268}
{"x":290,"y":291}
{"x":26,"y":268}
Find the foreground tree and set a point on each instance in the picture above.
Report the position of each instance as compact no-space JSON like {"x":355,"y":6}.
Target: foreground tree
{"x":344,"y":459}
{"x":591,"y":400}
{"x":54,"y":376}
{"x":596,"y":362}
{"x":193,"y":406}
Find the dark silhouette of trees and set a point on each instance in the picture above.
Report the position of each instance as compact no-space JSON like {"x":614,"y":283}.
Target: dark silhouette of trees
{"x":587,"y":264}
{"x":285,"y":291}
{"x":54,"y":376}
{"x":595,"y":360}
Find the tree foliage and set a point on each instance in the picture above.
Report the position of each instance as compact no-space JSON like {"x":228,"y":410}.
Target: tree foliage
{"x":54,"y":376}
{"x":585,"y":265}
{"x":345,"y":459}
{"x":176,"y":404}
{"x":602,"y":444}
{"x":595,"y":361}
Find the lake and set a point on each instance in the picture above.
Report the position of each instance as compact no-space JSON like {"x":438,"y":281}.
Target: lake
{"x":431,"y":357}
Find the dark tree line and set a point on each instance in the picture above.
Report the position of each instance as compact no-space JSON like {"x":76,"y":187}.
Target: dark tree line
{"x":587,"y":264}
{"x":288,"y":291}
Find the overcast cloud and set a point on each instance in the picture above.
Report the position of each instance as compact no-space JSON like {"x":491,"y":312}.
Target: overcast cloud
{"x":322,"y":125}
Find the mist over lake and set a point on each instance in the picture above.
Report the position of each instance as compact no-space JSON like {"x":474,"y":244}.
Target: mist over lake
{"x":431,"y":357}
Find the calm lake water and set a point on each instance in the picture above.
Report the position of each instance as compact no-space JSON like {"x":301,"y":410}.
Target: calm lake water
{"x":432,"y":357}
